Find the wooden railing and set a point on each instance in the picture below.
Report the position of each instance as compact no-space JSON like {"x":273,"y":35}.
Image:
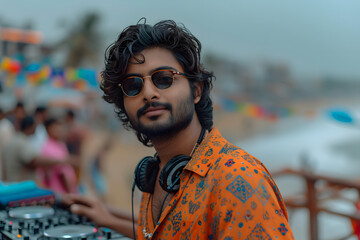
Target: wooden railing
{"x":311,"y":199}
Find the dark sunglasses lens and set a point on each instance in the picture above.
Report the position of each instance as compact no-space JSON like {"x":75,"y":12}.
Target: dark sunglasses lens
{"x":162,"y":79}
{"x":132,"y":86}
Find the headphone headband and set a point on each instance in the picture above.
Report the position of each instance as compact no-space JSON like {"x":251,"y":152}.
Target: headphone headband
{"x":169,"y":179}
{"x":201,"y":137}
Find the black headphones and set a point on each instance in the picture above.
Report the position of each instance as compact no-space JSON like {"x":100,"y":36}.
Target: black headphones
{"x":147,"y":169}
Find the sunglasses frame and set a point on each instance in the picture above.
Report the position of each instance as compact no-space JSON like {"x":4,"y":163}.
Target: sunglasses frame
{"x":143,"y":78}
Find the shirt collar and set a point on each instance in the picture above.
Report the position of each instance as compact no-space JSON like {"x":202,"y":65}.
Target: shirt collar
{"x":203,"y":156}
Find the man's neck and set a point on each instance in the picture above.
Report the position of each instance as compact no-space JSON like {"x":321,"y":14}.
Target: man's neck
{"x":182,"y":142}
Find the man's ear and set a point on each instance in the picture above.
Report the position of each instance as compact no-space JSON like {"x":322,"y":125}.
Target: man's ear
{"x":198,"y":87}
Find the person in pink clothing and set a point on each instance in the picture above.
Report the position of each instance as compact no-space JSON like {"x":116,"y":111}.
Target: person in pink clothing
{"x":60,"y":178}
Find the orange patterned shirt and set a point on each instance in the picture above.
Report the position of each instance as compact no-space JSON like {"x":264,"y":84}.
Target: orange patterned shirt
{"x":225,"y":193}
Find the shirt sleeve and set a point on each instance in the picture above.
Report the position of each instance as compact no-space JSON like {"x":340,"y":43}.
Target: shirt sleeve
{"x":247,"y":205}
{"x":27,"y":152}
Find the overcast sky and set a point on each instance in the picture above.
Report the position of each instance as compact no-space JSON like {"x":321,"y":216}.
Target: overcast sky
{"x":313,"y":37}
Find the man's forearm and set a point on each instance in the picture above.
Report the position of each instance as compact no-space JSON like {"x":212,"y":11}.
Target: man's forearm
{"x":123,"y":226}
{"x":45,"y":162}
{"x":122,"y":214}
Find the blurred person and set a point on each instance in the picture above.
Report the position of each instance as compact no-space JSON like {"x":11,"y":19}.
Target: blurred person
{"x":59,"y":178}
{"x":197,"y":183}
{"x":98,"y":180}
{"x":20,"y":159}
{"x":76,"y":134}
{"x":17,"y":114}
{"x":40,"y":136}
{"x":7,"y":131}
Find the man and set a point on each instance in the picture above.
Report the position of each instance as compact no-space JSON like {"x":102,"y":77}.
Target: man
{"x":40,"y":136}
{"x":17,"y":114}
{"x":198,"y":185}
{"x":7,"y":131}
{"x":21,"y":159}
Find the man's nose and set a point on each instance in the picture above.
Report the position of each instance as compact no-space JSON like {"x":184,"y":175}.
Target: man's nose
{"x":150,"y":91}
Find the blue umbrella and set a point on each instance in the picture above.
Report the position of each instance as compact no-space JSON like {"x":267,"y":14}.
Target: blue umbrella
{"x":341,"y":115}
{"x":345,"y":116}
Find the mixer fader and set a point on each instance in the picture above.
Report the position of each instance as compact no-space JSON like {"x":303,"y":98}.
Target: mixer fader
{"x":41,"y":223}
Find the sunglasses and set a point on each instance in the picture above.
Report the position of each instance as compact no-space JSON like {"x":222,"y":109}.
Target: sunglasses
{"x":162,"y":79}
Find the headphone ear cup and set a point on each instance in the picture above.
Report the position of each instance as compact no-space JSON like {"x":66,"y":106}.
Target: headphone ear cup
{"x":170,"y":175}
{"x":145,"y":174}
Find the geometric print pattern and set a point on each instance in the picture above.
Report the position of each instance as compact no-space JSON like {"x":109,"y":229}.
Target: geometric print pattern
{"x":228,"y":148}
{"x":258,"y":233}
{"x":273,"y":186}
{"x":262,"y":192}
{"x":241,"y":189}
{"x":217,"y":199}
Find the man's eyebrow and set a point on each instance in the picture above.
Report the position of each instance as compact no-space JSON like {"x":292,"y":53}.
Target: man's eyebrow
{"x":132,"y":75}
{"x":154,"y":70}
{"x":163,"y":68}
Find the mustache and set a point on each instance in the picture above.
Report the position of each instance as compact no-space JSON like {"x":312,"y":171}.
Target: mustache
{"x":153,"y":104}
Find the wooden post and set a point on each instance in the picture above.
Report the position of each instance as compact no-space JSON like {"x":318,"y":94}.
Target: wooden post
{"x":313,"y":208}
{"x":311,"y":202}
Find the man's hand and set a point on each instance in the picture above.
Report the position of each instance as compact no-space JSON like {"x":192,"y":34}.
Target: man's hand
{"x":73,"y":160}
{"x":91,"y":208}
{"x":101,"y":215}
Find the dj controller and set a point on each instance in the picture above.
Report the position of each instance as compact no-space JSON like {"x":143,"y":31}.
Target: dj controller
{"x":41,"y":223}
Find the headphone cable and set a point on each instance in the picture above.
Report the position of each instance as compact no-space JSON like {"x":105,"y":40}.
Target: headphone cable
{"x":162,"y":205}
{"x":132,"y":209}
{"x":167,"y":194}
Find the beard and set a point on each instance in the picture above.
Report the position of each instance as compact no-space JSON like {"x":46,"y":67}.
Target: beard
{"x":179,"y":119}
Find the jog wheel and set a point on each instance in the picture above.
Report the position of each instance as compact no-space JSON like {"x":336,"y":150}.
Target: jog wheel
{"x":32,"y":212}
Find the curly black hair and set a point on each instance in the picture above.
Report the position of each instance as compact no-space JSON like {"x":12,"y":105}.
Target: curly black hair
{"x":166,"y":34}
